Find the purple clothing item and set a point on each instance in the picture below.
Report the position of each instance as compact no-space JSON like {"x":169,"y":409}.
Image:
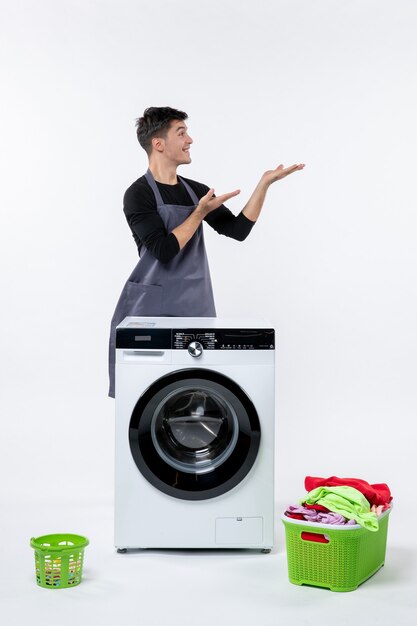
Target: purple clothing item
{"x":333,"y":518}
{"x":311,"y":515}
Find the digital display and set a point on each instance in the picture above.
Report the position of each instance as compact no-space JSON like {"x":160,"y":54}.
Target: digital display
{"x":143,"y":338}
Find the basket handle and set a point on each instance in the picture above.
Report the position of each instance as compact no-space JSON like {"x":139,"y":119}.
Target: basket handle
{"x":317,"y":537}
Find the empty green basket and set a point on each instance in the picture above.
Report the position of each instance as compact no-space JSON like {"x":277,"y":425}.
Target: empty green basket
{"x":337,"y":557}
{"x":59,"y":560}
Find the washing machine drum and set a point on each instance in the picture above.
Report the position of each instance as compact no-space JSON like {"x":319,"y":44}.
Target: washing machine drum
{"x":194,"y":434}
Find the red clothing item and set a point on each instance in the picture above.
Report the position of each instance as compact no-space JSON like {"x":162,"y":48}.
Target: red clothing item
{"x":375,"y":494}
{"x":295,"y":516}
{"x":316,"y":507}
{"x":318,"y":538}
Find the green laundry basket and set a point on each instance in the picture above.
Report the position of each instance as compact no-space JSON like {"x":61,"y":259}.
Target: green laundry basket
{"x":337,"y":557}
{"x":59,"y":560}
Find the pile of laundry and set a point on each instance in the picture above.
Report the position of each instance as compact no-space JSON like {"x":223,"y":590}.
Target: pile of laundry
{"x":342,"y":501}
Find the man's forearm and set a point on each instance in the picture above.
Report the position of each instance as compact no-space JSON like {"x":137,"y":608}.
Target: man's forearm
{"x":255,"y":203}
{"x":186,"y":230}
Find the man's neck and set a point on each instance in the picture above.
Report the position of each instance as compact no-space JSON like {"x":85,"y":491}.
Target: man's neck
{"x":166,"y":174}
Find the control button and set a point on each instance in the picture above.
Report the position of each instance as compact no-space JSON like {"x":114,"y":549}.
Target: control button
{"x":195,"y":349}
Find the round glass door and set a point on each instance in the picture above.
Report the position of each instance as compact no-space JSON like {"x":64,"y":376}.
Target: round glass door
{"x":194,"y":429}
{"x":194,"y":434}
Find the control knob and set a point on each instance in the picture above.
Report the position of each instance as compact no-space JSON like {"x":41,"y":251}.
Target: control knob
{"x":195,"y":349}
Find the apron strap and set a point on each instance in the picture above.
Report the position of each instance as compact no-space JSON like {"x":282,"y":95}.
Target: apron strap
{"x":149,"y":177}
{"x":191,"y":193}
{"x":159,"y":202}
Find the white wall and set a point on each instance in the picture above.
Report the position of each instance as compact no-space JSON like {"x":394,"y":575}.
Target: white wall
{"x":332,"y":261}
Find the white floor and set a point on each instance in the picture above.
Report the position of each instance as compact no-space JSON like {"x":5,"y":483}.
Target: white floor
{"x":56,"y":469}
{"x":155,"y":588}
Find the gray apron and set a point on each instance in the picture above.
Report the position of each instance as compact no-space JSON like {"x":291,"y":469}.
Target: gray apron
{"x":179,"y":288}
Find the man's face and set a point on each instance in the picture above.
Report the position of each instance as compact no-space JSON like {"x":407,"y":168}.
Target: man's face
{"x":176,"y":144}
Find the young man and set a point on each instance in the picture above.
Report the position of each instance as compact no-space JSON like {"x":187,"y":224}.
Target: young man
{"x":165,"y":213}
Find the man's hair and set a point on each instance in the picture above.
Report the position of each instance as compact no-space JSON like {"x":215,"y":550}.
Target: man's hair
{"x":155,"y":122}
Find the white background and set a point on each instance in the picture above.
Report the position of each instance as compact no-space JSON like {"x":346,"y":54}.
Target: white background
{"x":332,"y":263}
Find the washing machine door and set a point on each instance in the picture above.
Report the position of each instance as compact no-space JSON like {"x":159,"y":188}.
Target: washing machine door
{"x":194,"y":434}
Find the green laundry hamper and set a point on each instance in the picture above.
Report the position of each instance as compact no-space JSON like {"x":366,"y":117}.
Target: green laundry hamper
{"x":337,"y":557}
{"x":59,"y":560}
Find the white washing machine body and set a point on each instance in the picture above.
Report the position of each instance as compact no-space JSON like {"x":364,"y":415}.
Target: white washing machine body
{"x":194,"y":458}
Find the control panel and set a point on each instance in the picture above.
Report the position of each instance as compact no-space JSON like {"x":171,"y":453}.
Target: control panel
{"x":206,"y":339}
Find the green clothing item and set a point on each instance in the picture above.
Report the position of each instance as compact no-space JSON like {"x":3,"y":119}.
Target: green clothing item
{"x":347,"y":501}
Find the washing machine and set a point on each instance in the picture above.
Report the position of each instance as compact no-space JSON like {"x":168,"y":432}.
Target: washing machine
{"x":194,"y":458}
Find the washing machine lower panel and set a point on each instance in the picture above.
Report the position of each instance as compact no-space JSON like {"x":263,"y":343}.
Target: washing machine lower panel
{"x":146,"y":518}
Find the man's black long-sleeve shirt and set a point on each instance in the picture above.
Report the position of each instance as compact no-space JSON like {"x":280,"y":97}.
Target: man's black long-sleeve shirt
{"x":148,"y":229}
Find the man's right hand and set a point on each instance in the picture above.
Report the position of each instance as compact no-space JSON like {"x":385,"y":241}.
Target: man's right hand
{"x":209,"y":202}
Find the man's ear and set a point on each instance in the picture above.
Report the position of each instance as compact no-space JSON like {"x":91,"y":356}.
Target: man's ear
{"x":158,"y":144}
